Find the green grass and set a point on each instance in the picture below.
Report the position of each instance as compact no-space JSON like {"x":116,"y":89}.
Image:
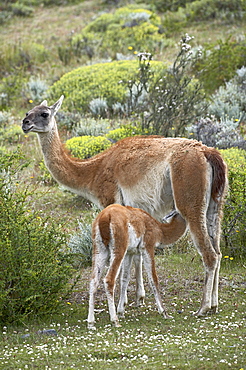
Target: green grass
{"x":145,"y":340}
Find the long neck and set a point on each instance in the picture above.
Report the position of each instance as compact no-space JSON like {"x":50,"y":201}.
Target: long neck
{"x":172,"y":231}
{"x":77,"y":176}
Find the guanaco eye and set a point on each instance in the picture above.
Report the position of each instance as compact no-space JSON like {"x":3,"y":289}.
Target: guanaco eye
{"x":45,"y":115}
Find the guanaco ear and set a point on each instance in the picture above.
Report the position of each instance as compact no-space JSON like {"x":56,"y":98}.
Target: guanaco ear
{"x":44,"y":103}
{"x":55,"y":107}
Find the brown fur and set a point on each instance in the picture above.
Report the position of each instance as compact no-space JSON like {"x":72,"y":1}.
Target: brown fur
{"x":152,"y":173}
{"x":118,"y":234}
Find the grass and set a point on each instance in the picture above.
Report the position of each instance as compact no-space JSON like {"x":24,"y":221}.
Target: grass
{"x":145,"y":340}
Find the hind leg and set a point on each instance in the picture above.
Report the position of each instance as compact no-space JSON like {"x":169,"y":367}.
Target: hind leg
{"x":211,"y":262}
{"x":214,"y":216}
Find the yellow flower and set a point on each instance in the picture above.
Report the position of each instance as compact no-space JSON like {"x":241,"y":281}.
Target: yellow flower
{"x":69,"y":303}
{"x":236,"y":120}
{"x":30,"y":101}
{"x":130,"y":47}
{"x":135,"y":52}
{"x":226,"y":256}
{"x":231,"y":258}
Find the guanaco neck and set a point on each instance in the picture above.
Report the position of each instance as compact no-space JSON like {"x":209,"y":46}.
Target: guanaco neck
{"x":75,"y":175}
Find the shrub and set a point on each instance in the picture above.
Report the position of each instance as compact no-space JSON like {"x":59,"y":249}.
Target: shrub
{"x":230,"y":100}
{"x":35,"y":89}
{"x":21,"y":10}
{"x":175,"y":98}
{"x":91,"y":127}
{"x":126,"y":30}
{"x":68,"y":120}
{"x":98,"y":107}
{"x":6,"y":119}
{"x":124,"y":131}
{"x":80,"y":246}
{"x":219,"y":63}
{"x":34,"y":271}
{"x":108,"y":81}
{"x":234,"y":221}
{"x":80,"y":243}
{"x":168,"y":5}
{"x":227,"y":10}
{"x":87,"y":146}
{"x":223,"y":133}
{"x":228,"y":115}
{"x":12,"y":134}
{"x":174,"y":21}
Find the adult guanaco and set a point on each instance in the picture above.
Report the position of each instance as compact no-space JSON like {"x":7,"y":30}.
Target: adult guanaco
{"x":153,"y":173}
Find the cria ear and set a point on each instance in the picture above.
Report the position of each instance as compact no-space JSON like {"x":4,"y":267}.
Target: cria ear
{"x":44,"y":103}
{"x":55,"y":107}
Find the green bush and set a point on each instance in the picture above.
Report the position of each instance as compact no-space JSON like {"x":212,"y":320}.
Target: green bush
{"x":167,"y":5}
{"x":219,"y":63}
{"x":12,"y":134}
{"x":34,"y":271}
{"x":234,"y":221}
{"x":124,"y":131}
{"x":226,"y":10}
{"x":87,"y":146}
{"x":126,"y":30}
{"x":104,"y":80}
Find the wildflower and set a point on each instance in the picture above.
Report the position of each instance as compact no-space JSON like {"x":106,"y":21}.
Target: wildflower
{"x":135,"y":52}
{"x":236,"y":120}
{"x":130,"y":47}
{"x":231,"y":258}
{"x":30,"y":101}
{"x":226,"y":256}
{"x":69,"y":303}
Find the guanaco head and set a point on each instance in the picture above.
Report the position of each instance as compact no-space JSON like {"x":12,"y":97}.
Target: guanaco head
{"x":40,"y":119}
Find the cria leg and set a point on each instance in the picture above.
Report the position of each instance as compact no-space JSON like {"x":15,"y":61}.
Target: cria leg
{"x":125,"y":276}
{"x":109,"y":283}
{"x":140,"y":292}
{"x":149,"y":264}
{"x":99,"y":262}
